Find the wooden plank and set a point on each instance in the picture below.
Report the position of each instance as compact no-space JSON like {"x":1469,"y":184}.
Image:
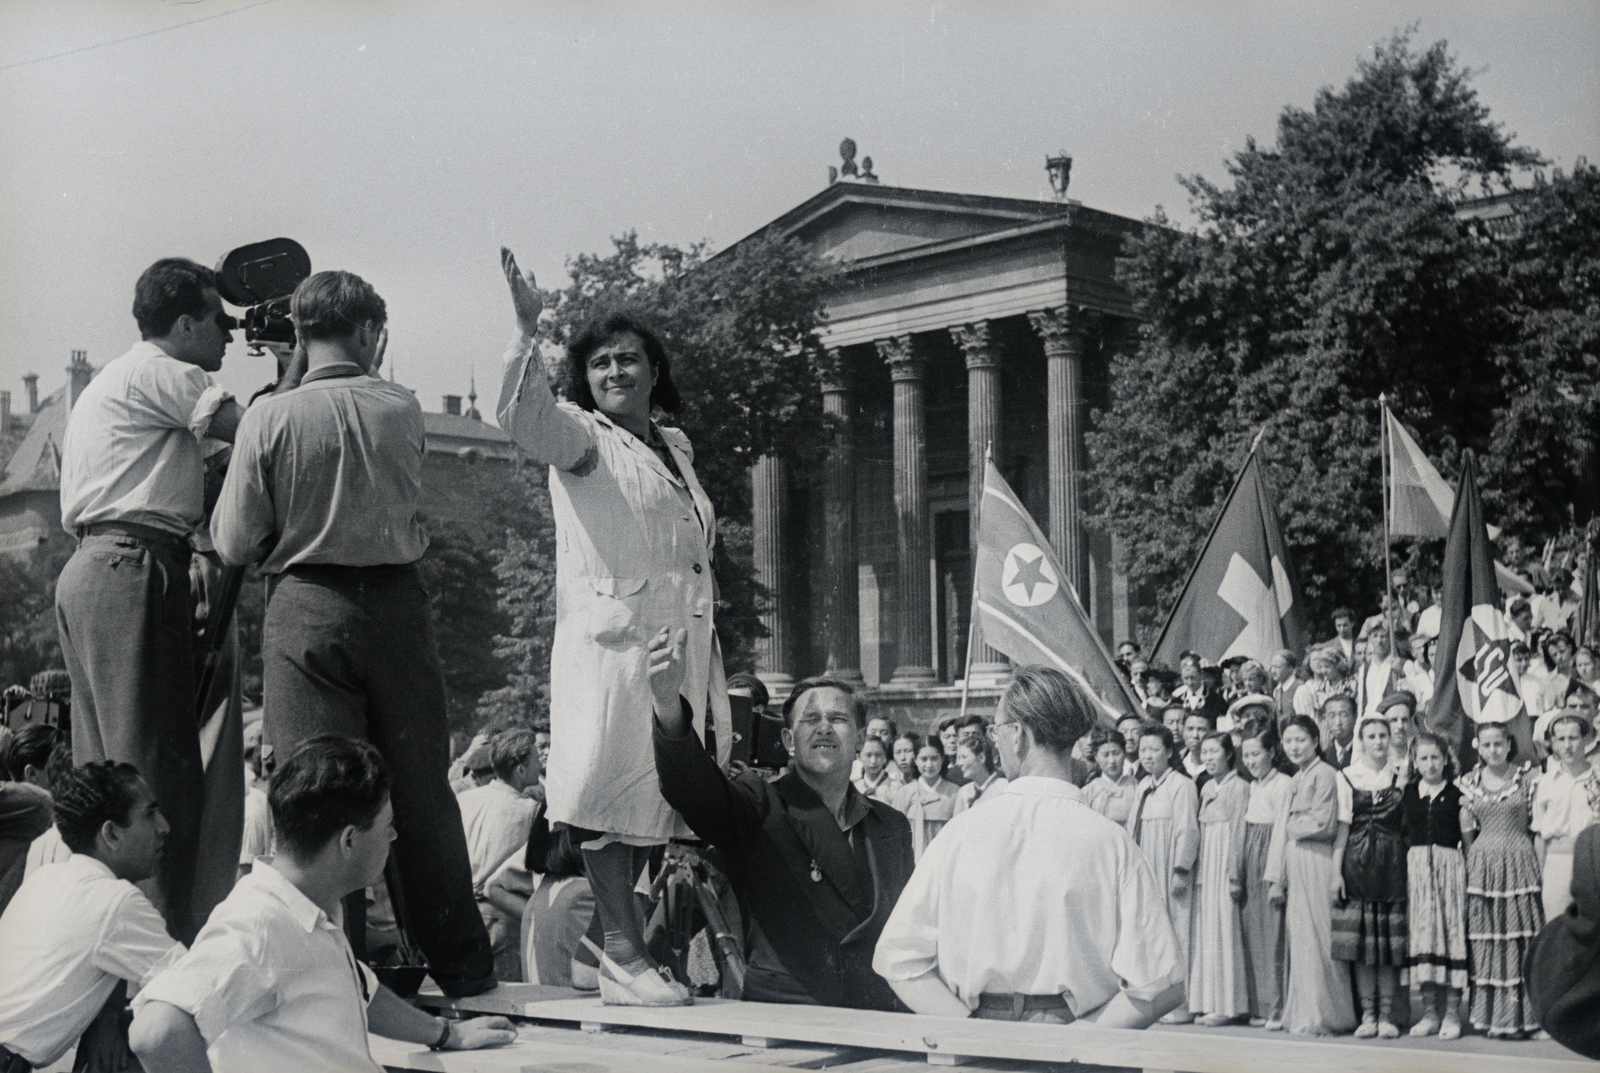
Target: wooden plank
{"x":1164,"y":1050}
{"x":538,"y":1056}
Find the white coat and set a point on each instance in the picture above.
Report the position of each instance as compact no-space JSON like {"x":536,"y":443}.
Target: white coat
{"x":633,"y":554}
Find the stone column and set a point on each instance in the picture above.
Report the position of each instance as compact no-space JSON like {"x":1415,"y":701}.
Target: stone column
{"x":769,"y":518}
{"x":841,"y":575}
{"x":983,"y":436}
{"x":1063,"y":330}
{"x":913,"y":631}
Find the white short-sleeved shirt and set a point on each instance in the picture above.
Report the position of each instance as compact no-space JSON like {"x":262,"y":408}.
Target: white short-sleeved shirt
{"x":497,"y":819}
{"x":46,"y":849}
{"x":272,"y":985}
{"x":1561,"y":806}
{"x":1079,"y":914}
{"x":72,"y":931}
{"x":132,"y":450}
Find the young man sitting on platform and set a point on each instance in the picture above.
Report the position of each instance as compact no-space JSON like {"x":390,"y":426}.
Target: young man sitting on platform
{"x":271,"y":982}
{"x":1035,"y":907}
{"x":819,"y":865}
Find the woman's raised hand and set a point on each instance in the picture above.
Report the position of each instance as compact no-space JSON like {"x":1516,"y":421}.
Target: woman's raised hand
{"x":524,"y":293}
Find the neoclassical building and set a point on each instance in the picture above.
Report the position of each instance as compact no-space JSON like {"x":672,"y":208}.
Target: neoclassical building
{"x":965,"y":324}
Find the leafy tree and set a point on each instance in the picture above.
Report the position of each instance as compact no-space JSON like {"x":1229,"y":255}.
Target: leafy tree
{"x":1333,"y":269}
{"x":28,"y":639}
{"x":524,"y":569}
{"x":740,"y":330}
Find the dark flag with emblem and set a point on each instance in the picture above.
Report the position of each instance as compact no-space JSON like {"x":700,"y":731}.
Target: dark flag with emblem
{"x":1472,"y":667}
{"x":1242,"y":597}
{"x":1027,"y":611}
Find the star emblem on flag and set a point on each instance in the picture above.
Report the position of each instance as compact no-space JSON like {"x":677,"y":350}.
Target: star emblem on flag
{"x":1028,"y":579}
{"x":1483,"y":664}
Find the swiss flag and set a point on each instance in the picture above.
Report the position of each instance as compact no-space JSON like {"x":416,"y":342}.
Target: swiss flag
{"x":1472,"y":673}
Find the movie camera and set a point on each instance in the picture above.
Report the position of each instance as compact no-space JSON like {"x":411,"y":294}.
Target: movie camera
{"x":261,"y":277}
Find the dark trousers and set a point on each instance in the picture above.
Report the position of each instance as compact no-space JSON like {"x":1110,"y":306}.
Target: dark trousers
{"x":126,"y":621}
{"x":350,"y":650}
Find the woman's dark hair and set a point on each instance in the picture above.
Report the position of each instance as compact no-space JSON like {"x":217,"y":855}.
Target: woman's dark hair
{"x":932,"y":742}
{"x":166,"y":291}
{"x":1266,"y":733}
{"x":1224,"y":739}
{"x":906,"y":735}
{"x":595,"y":333}
{"x":329,"y":783}
{"x":1511,"y":739}
{"x":1307,"y":724}
{"x":1150,"y":729}
{"x":1101,"y":736}
{"x":980,"y":745}
{"x":29,"y":747}
{"x":1430,"y":738}
{"x":87,"y":797}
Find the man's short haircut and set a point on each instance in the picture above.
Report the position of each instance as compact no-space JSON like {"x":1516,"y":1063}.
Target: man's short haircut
{"x":510,"y":749}
{"x":1288,"y":657}
{"x":1056,"y":710}
{"x":1343,"y":613}
{"x":600,"y":330}
{"x":1585,"y":726}
{"x":823,"y":681}
{"x":1518,"y":606}
{"x":329,"y":783}
{"x":29,"y":747}
{"x":86,"y":797}
{"x":758,"y":689}
{"x":1201,"y":713}
{"x":1337,"y":698}
{"x":331,"y":305}
{"x":1520,"y":648}
{"x":166,"y":291}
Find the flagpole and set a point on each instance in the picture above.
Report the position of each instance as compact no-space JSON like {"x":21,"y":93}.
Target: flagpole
{"x":972,"y":606}
{"x":1162,"y":636}
{"x":1388,"y":573}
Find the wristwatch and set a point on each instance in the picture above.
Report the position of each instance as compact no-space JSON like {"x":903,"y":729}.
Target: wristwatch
{"x":444,"y":1036}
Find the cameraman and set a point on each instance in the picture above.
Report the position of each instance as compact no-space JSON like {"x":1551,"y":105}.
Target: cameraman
{"x":132,"y":492}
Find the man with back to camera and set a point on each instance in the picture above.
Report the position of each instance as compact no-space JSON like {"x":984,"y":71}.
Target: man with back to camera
{"x":132,"y":492}
{"x":819,"y":865}
{"x":1035,"y":907}
{"x":322,"y":495}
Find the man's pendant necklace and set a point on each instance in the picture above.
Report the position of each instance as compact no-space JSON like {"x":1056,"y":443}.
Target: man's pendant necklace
{"x":816,"y":873}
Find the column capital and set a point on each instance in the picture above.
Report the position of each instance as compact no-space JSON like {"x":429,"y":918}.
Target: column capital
{"x":831,"y":373}
{"x":974,"y":341}
{"x":904,"y":361}
{"x":1063,"y":328}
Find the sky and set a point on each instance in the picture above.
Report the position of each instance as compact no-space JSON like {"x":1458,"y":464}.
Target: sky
{"x":406,"y":141}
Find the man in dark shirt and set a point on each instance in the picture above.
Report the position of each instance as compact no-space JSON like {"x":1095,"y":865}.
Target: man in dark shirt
{"x":322,"y":493}
{"x":819,"y":865}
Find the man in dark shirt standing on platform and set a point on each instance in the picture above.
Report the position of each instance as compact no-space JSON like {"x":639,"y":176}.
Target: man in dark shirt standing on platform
{"x":819,"y":865}
{"x":323,"y":494}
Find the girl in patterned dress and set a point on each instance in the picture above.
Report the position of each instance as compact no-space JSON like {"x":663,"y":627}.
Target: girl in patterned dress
{"x":1165,"y":823}
{"x":1261,"y":921}
{"x":1218,"y":987}
{"x":1503,"y":909}
{"x":1436,"y":883}
{"x":1369,"y":920}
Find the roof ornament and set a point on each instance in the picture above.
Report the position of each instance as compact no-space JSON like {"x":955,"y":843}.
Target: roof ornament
{"x":848,"y":169}
{"x":1059,"y":168}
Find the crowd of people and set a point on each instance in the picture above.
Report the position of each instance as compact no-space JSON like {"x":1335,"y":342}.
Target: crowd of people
{"x":1275,"y":842}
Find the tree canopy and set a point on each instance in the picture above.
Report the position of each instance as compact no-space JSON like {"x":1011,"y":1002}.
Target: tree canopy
{"x":1334,"y":268}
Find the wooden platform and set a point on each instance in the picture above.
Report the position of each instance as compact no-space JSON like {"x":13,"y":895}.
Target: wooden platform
{"x":757,"y":1036}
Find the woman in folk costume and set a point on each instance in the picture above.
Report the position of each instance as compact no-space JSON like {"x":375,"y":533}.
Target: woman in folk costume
{"x":1113,"y":791}
{"x":1165,"y":823}
{"x":1218,"y":988}
{"x":1304,"y":867}
{"x":979,"y":763}
{"x":929,"y":802}
{"x":874,"y":780}
{"x":634,"y":538}
{"x":1261,"y":921}
{"x":1504,"y":912}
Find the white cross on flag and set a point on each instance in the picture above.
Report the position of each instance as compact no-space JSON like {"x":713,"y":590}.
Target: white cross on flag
{"x":1027,"y":611}
{"x":1472,"y":674}
{"x":1241,"y":597}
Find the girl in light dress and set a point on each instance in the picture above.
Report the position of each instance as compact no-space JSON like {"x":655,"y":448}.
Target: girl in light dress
{"x":1165,"y":824}
{"x":1261,"y":921}
{"x":1503,"y":908}
{"x":978,"y":762}
{"x":1436,"y":885}
{"x":874,"y":781}
{"x":1218,"y":987}
{"x":904,"y":755}
{"x":1369,"y":920}
{"x":930,"y":801}
{"x":1113,"y":791}
{"x":1303,"y":866}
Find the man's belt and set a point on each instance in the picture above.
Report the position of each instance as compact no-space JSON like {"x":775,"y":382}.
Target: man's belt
{"x":1017,"y":1005}
{"x":12,"y":1062}
{"x":147,"y":533}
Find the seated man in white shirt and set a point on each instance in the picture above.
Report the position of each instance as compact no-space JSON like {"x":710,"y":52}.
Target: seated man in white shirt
{"x":271,"y":982}
{"x":78,"y":927}
{"x":1035,"y":907}
{"x":497,"y":818}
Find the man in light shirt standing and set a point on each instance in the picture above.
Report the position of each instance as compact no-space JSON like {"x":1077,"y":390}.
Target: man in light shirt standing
{"x":1034,"y":907}
{"x":132,"y":492}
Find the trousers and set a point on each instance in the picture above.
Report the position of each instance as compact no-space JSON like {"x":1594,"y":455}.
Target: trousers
{"x":126,"y":622}
{"x":350,"y":650}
